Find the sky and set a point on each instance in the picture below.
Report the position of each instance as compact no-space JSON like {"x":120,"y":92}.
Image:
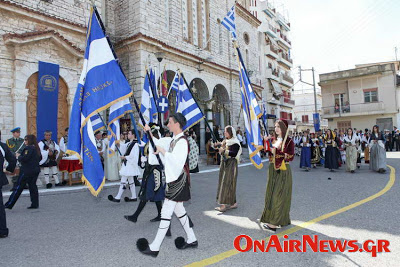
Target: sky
{"x":332,"y":35}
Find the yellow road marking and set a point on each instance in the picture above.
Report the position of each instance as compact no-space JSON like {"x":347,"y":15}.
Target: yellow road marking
{"x":233,"y":252}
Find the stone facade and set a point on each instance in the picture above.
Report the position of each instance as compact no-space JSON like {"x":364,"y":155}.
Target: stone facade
{"x":187,"y":32}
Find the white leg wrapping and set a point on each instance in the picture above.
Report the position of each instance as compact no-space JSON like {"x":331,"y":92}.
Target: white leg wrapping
{"x":124,"y":180}
{"x":54,"y":171}
{"x":180,"y":212}
{"x":132,"y":187}
{"x":166,"y":215}
{"x":46,"y":171}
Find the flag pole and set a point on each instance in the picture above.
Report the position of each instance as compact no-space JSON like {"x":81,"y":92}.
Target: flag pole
{"x":133,"y":96}
{"x":205,"y":119}
{"x":154,"y":92}
{"x":102,"y":120}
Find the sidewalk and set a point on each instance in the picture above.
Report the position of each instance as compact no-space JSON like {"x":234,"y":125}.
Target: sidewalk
{"x":203,"y":168}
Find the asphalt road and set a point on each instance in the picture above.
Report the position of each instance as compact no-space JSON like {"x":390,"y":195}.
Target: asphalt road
{"x":77,"y":229}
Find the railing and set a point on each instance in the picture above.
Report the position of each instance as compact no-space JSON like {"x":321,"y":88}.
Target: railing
{"x":272,"y":28}
{"x":286,"y":57}
{"x":273,"y":49}
{"x":285,"y":39}
{"x":287,"y":78}
{"x":288,"y":100}
{"x":273,"y":71}
{"x":354,"y":108}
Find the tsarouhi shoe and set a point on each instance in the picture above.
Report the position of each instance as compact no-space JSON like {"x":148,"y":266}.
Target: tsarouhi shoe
{"x":143,"y":245}
{"x":127,"y":199}
{"x":180,"y":243}
{"x":59,"y":184}
{"x":49,"y":185}
{"x":111,"y":198}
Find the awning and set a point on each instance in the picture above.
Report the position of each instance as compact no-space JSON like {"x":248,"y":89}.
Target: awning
{"x":276,"y":88}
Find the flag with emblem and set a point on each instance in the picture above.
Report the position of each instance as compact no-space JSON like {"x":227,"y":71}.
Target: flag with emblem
{"x":101,"y":85}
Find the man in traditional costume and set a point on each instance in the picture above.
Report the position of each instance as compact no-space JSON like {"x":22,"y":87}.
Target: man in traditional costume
{"x":50,"y":152}
{"x":129,"y":169}
{"x":177,"y":177}
{"x":279,"y":188}
{"x":16,"y":145}
{"x":64,"y":141}
{"x":152,"y":188}
{"x":377,"y":151}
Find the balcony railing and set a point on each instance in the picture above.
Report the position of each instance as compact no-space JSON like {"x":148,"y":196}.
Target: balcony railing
{"x":287,"y":78}
{"x":286,"y":57}
{"x":288,"y":100}
{"x":351,"y":109}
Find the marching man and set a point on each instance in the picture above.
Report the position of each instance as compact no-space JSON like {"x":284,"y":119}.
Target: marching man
{"x":50,"y":152}
{"x":177,"y":177}
{"x":129,"y":168}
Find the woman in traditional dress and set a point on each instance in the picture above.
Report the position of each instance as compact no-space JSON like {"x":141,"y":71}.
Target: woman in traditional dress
{"x":331,"y":152}
{"x":315,"y":151}
{"x":279,"y":188}
{"x":230,"y":151}
{"x":377,"y":151}
{"x":193,"y":152}
{"x":365,"y":142}
{"x":112,"y":163}
{"x":350,"y":143}
{"x":305,"y":158}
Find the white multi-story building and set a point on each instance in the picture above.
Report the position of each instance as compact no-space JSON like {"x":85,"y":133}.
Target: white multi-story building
{"x":275,"y":59}
{"x":305,"y":108}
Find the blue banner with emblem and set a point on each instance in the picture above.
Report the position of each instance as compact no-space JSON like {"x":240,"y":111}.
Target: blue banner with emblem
{"x":317,"y":123}
{"x":47,"y":101}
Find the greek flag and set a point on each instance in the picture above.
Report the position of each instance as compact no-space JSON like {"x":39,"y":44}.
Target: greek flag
{"x":175,"y":84}
{"x":117,"y":111}
{"x":186,"y":105}
{"x":101,"y":85}
{"x":97,"y":123}
{"x":148,"y":107}
{"x":251,"y":113}
{"x":229,"y":22}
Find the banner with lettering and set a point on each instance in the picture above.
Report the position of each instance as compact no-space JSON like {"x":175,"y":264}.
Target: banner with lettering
{"x":47,"y":101}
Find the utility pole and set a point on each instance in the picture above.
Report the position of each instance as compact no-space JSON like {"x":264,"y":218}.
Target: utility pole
{"x":313,"y":85}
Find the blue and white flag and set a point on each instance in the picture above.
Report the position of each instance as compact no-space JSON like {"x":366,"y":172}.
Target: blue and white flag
{"x":148,"y":106}
{"x":251,"y":113}
{"x":186,"y":105}
{"x":101,"y":85}
{"x":175,"y":84}
{"x":97,"y":123}
{"x":229,"y":22}
{"x":117,"y":111}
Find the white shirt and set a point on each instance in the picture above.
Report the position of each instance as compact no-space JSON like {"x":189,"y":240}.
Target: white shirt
{"x":45,"y":153}
{"x":175,"y":161}
{"x":164,"y":143}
